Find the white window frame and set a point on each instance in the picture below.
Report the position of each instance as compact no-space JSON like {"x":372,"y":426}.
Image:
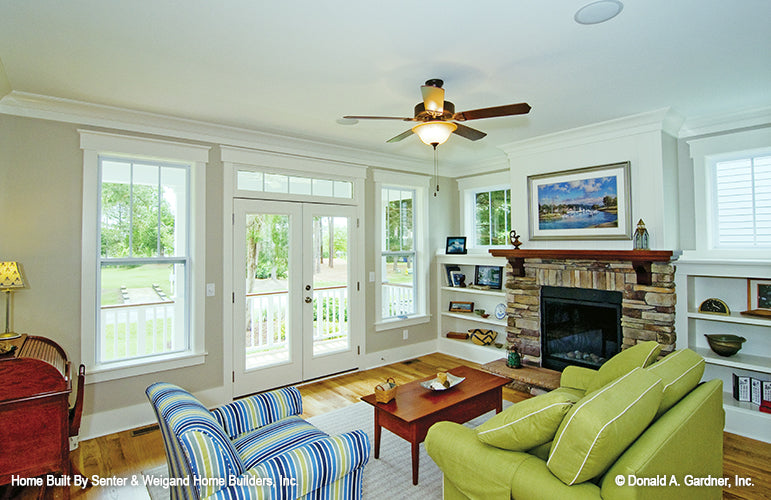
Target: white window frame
{"x":705,"y":152}
{"x":468,"y":188}
{"x":419,"y":184}
{"x":93,"y":145}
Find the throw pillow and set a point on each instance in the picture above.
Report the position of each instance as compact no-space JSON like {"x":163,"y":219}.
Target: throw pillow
{"x":639,"y":355}
{"x":679,"y":372}
{"x":598,"y":429}
{"x":527,"y":424}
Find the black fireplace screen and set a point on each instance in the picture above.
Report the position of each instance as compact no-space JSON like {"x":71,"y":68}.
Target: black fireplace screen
{"x":579,"y":326}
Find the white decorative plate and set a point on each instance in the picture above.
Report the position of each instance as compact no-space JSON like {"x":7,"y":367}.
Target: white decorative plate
{"x":500,"y":311}
{"x":435,"y":385}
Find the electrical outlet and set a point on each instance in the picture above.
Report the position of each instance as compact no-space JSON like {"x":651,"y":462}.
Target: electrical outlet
{"x":405,"y":334}
{"x":210,"y":289}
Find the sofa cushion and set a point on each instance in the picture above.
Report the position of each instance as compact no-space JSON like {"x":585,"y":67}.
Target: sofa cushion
{"x":527,"y":424}
{"x":598,"y":429}
{"x":679,"y":372}
{"x":637,"y":356}
{"x":274,"y":439}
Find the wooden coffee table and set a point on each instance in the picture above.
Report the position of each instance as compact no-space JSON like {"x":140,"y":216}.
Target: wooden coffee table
{"x":415,"y":409}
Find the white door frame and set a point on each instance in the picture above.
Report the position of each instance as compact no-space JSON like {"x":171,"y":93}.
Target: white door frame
{"x":233,"y":159}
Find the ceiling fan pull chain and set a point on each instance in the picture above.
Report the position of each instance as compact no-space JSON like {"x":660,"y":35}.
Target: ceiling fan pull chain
{"x":436,"y":169}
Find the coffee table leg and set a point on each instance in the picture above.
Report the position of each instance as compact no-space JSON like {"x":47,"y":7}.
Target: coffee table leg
{"x":415,"y":457}
{"x":377,"y":433}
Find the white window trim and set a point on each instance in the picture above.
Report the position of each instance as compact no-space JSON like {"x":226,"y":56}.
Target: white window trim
{"x":705,"y":152}
{"x":468,"y":187}
{"x":93,"y":144}
{"x":419,"y":183}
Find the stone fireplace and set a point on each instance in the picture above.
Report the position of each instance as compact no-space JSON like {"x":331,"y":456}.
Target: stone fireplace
{"x":644,"y":280}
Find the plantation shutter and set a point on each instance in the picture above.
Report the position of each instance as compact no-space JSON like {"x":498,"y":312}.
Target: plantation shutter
{"x":743,"y":202}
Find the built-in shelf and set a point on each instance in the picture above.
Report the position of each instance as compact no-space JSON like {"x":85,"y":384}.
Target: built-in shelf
{"x":739,"y":360}
{"x":736,"y":318}
{"x":476,"y":318}
{"x":743,"y":406}
{"x":492,"y":293}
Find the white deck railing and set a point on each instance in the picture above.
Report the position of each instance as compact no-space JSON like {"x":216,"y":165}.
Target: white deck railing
{"x":266,"y":315}
{"x":398,"y":300}
{"x":132,"y":330}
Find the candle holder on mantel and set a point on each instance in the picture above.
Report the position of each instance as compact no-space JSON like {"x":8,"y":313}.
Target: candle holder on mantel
{"x":641,"y":237}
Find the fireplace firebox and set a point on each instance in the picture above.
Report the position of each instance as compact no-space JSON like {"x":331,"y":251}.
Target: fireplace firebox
{"x":579,"y":326}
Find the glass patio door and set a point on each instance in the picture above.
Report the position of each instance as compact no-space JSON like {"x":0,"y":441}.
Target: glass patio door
{"x":292,"y":300}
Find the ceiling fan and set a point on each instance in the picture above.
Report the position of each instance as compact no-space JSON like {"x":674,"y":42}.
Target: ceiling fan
{"x":438,"y":118}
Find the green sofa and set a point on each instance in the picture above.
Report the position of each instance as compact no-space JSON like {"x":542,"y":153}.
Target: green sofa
{"x":651,"y":424}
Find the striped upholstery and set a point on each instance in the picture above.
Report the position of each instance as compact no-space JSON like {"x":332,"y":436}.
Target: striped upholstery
{"x":250,"y":413}
{"x":274,"y":439}
{"x":271,"y":443}
{"x":330,"y":468}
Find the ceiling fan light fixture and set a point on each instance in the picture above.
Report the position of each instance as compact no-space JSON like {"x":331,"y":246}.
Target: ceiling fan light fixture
{"x":434,"y":132}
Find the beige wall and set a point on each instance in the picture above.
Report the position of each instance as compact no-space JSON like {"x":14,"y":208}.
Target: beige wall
{"x":41,"y":167}
{"x":41,"y":175}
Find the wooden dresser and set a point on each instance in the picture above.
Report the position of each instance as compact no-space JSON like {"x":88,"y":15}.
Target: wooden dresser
{"x":35,"y":386}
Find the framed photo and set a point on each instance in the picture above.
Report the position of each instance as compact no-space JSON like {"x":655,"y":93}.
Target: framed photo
{"x":449,"y":269}
{"x":759,"y":295}
{"x":461,"y":307}
{"x":456,"y":245}
{"x":588,"y":203}
{"x":489,"y":276}
{"x":457,"y":279}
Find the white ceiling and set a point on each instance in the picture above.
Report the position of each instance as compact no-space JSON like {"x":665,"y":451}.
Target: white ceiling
{"x":295,"y":67}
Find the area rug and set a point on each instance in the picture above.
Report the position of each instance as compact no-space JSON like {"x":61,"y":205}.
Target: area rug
{"x":389,"y":476}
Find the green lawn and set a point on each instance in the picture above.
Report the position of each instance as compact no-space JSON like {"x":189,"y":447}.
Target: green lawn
{"x":138,"y":277}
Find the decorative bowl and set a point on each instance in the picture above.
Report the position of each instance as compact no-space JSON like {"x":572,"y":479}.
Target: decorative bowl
{"x":725,"y":345}
{"x":435,"y":385}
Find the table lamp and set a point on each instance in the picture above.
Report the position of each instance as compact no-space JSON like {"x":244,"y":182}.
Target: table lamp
{"x":10,"y":279}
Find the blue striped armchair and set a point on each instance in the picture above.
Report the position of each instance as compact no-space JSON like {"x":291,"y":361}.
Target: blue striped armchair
{"x":254,"y":448}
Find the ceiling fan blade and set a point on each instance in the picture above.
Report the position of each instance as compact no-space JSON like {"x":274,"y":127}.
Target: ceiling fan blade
{"x":507,"y":110}
{"x":433,"y":99}
{"x":379,"y":118}
{"x":401,"y":136}
{"x":469,"y":133}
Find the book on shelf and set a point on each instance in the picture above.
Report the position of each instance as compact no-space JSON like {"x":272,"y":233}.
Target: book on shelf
{"x":755,"y":391}
{"x":741,"y":387}
{"x":766,"y":391}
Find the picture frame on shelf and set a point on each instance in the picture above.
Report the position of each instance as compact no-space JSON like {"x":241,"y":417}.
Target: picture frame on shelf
{"x":587,"y":203}
{"x":488,"y":276}
{"x":449,"y":269}
{"x":456,"y":245}
{"x":458,"y":279}
{"x":758,"y":297}
{"x":461,"y":306}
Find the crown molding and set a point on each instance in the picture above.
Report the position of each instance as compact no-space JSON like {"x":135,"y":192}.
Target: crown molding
{"x":83,"y":113}
{"x":661,"y":120}
{"x":477,"y":168}
{"x":713,"y":124}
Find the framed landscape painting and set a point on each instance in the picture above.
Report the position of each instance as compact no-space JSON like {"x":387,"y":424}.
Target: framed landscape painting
{"x":586,"y":203}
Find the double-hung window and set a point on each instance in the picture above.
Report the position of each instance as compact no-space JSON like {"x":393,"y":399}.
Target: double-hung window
{"x":402,"y":249}
{"x":486,"y":209}
{"x":142,"y":255}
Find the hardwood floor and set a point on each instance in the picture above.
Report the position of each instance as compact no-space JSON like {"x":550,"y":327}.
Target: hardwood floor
{"x":129,"y":453}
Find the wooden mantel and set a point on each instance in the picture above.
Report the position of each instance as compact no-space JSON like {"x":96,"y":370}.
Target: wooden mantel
{"x":641,"y":259}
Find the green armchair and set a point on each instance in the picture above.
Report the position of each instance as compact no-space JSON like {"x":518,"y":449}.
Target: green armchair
{"x":631,"y":430}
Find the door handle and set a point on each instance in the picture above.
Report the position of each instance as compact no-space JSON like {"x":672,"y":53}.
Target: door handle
{"x":308,"y":300}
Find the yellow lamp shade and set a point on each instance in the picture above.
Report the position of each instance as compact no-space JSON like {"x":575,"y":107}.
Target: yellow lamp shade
{"x":434,"y":132}
{"x":10,"y":276}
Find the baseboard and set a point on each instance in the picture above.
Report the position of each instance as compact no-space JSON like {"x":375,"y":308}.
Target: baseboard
{"x":748,"y":424}
{"x":397,"y":354}
{"x":130,"y":417}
